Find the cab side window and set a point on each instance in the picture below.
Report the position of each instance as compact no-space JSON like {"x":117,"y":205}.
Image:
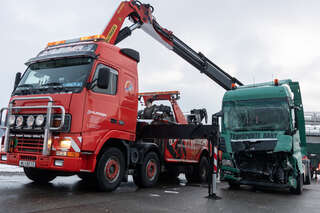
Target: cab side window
{"x":112,"y":84}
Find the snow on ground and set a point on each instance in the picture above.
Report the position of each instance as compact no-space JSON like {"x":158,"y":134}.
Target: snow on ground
{"x":7,"y":168}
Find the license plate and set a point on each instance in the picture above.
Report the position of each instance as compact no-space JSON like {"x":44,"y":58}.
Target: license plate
{"x":24,"y":163}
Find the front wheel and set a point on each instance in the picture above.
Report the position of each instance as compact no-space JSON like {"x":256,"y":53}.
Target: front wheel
{"x":147,"y":173}
{"x":38,"y":175}
{"x":110,"y":169}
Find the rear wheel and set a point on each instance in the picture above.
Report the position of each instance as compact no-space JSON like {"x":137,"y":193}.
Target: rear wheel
{"x":198,"y":173}
{"x":38,"y":175}
{"x":147,"y":173}
{"x":110,"y":169}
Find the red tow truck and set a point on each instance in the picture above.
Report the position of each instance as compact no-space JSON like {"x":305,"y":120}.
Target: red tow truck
{"x":190,"y":156}
{"x":75,"y":108}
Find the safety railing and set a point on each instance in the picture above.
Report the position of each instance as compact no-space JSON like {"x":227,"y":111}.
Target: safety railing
{"x":47,"y":128}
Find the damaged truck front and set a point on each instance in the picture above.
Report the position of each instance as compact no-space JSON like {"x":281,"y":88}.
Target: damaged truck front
{"x":263,"y":137}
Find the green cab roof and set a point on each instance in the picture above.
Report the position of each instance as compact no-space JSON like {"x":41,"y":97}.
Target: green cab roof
{"x":256,"y":92}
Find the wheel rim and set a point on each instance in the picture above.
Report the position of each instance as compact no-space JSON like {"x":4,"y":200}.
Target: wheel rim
{"x":112,"y":169}
{"x":151,"y":169}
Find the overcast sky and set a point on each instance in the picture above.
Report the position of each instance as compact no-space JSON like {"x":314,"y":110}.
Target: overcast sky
{"x":255,"y":41}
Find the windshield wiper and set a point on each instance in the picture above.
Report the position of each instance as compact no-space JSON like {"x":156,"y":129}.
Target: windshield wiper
{"x":26,"y":85}
{"x":52,"y":84}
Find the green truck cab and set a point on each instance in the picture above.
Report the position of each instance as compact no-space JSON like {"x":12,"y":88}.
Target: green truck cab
{"x":263,"y":137}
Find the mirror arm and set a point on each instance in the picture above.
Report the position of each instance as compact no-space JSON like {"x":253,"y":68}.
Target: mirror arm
{"x":90,"y":85}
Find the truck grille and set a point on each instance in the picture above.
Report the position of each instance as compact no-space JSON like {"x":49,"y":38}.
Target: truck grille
{"x":28,"y":158}
{"x":27,"y":145}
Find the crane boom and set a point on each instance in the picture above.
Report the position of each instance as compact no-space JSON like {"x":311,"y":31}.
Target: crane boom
{"x":141,"y":16}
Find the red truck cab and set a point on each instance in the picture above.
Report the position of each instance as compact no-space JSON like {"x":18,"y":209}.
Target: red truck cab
{"x":61,"y":86}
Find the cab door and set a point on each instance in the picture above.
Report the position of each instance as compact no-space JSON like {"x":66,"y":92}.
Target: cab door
{"x":102,"y":107}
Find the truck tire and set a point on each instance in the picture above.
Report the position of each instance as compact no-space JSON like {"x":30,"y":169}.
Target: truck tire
{"x":147,"y":173}
{"x":198,"y":173}
{"x":87,"y":177}
{"x":299,"y":189}
{"x":110,"y":169}
{"x":38,"y":175}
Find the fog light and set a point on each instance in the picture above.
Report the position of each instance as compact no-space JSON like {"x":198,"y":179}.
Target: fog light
{"x":30,"y":121}
{"x":4,"y":157}
{"x":58,"y":153}
{"x":19,"y":121}
{"x":11,"y":120}
{"x":58,"y":163}
{"x":39,"y":120}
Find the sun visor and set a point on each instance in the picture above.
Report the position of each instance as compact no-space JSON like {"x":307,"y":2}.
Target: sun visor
{"x":131,"y":54}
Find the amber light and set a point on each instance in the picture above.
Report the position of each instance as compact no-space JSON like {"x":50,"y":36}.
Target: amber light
{"x":56,"y":43}
{"x":85,"y":38}
{"x":94,"y":37}
{"x":233,"y":86}
{"x":73,"y":154}
{"x":159,"y":93}
{"x":276,"y":82}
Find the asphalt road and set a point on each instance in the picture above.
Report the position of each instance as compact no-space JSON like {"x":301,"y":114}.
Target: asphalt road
{"x":70,"y":194}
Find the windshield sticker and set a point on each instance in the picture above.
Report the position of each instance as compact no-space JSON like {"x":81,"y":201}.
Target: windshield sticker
{"x":73,"y":84}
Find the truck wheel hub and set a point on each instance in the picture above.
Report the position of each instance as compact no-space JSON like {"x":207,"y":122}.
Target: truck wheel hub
{"x":151,"y":169}
{"x":112,"y":170}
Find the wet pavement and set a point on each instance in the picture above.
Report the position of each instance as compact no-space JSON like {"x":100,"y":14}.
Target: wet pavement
{"x":70,"y":194}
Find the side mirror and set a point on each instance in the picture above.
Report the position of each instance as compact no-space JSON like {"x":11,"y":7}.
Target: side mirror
{"x":17,"y":80}
{"x":215,"y":120}
{"x":103,"y":78}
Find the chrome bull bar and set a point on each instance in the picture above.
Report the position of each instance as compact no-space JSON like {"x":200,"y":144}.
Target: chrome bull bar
{"x":47,"y":128}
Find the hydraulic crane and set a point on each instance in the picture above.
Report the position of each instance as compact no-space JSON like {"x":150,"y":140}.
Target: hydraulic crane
{"x":141,"y":16}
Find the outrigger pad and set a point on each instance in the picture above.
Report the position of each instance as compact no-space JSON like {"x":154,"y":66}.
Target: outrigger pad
{"x":181,"y":131}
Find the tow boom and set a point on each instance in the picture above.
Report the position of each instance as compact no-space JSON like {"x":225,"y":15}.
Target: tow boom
{"x":141,"y":16}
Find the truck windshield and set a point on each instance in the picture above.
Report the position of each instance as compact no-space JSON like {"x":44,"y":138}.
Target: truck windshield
{"x":264,"y":114}
{"x":67,"y":75}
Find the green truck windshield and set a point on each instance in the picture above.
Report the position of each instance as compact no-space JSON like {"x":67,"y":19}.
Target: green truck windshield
{"x":255,"y":115}
{"x":68,"y":74}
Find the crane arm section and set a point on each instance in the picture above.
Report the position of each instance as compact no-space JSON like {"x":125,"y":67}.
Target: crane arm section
{"x":141,"y":16}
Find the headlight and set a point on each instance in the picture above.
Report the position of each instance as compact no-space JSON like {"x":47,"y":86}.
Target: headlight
{"x":227,"y":163}
{"x":11,"y":120}
{"x":65,"y":144}
{"x":19,"y":121}
{"x":40,"y":120}
{"x":30,"y":120}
